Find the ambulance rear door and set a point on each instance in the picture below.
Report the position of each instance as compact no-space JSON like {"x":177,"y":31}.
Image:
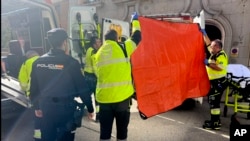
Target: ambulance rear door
{"x":122,"y":28}
{"x":28,"y":22}
{"x":81,"y":18}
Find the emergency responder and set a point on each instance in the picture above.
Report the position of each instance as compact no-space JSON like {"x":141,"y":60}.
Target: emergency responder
{"x":135,"y":24}
{"x":135,"y":38}
{"x":89,"y":68}
{"x":56,"y":79}
{"x":24,"y":80}
{"x":114,"y":86}
{"x":216,"y":67}
{"x":24,"y":73}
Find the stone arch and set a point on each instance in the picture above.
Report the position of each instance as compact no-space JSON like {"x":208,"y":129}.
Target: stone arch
{"x":226,"y":30}
{"x":126,"y":4}
{"x":125,"y":15}
{"x":183,"y":10}
{"x":186,"y":7}
{"x":218,"y":20}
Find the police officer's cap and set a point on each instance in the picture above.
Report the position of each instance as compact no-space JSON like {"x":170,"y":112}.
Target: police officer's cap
{"x":57,"y":35}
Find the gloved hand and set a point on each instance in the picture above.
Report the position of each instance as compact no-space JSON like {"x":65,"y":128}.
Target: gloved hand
{"x":206,"y":62}
{"x":134,"y":16}
{"x":203,"y":31}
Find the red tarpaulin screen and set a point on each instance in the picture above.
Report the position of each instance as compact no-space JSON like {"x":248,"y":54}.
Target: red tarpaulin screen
{"x":168,"y":66}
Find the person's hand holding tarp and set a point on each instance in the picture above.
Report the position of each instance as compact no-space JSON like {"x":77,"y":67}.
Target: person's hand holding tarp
{"x":168,"y":65}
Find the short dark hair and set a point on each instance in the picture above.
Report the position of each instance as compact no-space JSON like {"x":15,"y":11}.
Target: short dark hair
{"x":218,"y":42}
{"x":111,"y":35}
{"x":56,"y":37}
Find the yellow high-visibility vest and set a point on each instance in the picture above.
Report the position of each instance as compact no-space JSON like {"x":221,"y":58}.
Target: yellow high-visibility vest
{"x":88,"y":61}
{"x":135,"y":26}
{"x":113,"y":70}
{"x":130,"y":46}
{"x":24,"y":74}
{"x":222,"y":62}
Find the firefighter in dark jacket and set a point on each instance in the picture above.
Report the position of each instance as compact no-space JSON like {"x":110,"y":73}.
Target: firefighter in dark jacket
{"x":56,"y":79}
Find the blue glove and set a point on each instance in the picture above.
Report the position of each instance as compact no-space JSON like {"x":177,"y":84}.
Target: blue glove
{"x":206,"y":62}
{"x":134,"y":16}
{"x":203,"y":31}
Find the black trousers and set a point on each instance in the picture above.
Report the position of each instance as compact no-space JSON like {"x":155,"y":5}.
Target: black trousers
{"x":118,"y":111}
{"x":92,"y":82}
{"x":216,"y":91}
{"x":55,"y":120}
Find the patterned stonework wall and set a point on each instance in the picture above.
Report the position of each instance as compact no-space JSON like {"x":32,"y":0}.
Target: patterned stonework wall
{"x":231,"y":17}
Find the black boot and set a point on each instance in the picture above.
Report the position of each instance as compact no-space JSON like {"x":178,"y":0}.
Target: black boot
{"x":208,"y":121}
{"x":213,"y":124}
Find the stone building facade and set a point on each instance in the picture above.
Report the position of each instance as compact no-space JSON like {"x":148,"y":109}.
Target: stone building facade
{"x":228,"y":20}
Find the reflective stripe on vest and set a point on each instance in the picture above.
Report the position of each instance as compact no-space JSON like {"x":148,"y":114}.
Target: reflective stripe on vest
{"x":114,"y":61}
{"x":114,"y":84}
{"x":113,"y":70}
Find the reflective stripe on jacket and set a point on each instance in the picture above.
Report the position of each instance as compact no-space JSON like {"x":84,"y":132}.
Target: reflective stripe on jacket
{"x":113,"y":70}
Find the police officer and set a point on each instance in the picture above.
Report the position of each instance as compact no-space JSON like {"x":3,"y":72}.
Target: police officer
{"x":56,"y":79}
{"x":89,"y":69}
{"x":114,"y":86}
{"x":216,"y":67}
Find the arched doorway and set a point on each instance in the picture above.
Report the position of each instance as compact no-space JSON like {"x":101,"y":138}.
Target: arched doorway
{"x":213,"y":32}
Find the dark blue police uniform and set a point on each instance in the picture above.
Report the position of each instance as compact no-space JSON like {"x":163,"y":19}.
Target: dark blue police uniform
{"x":56,"y":79}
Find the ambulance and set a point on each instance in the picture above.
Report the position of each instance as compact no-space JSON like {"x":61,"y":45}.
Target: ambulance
{"x":28,"y":21}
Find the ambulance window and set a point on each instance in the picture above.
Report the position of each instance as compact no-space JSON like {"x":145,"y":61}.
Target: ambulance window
{"x":35,"y":35}
{"x":46,"y":27}
{"x":35,"y":27}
